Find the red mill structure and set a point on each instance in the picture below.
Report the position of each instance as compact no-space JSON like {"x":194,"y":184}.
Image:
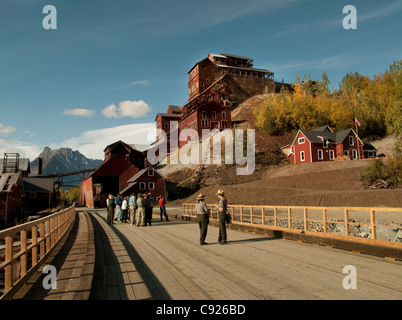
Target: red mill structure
{"x":216,"y":85}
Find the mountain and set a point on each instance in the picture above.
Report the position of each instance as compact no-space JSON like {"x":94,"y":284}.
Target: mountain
{"x":63,"y":160}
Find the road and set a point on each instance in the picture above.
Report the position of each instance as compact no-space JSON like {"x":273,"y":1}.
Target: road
{"x":165,"y":261}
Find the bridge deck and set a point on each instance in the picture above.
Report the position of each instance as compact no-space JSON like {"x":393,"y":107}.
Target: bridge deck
{"x":165,"y":261}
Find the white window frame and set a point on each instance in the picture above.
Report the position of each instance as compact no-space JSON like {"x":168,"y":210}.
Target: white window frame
{"x":325,"y":143}
{"x":214,"y":115}
{"x":224,"y":115}
{"x":301,"y":140}
{"x":151,"y":172}
{"x":354,"y":154}
{"x":143,"y":186}
{"x":302,"y":156}
{"x":331,"y":155}
{"x":151,"y":185}
{"x":351,"y":141}
{"x":322,"y":154}
{"x":204,"y":114}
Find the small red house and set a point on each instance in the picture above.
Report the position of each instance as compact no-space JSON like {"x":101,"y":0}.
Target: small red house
{"x":322,"y":144}
{"x":11,"y":192}
{"x":148,"y":180}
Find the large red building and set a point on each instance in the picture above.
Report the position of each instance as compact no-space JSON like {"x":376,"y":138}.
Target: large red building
{"x":216,"y":85}
{"x":118,"y":174}
{"x":322,"y":144}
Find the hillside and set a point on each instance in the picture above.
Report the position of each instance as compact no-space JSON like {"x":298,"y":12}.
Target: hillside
{"x":277,"y":182}
{"x":312,"y":184}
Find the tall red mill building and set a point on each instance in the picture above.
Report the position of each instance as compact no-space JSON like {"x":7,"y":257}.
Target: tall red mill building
{"x":216,"y":85}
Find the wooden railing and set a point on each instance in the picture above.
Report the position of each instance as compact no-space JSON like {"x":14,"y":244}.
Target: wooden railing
{"x":25,"y":247}
{"x":369,"y":225}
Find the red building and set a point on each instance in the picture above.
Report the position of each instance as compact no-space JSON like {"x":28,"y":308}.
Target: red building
{"x":322,"y":144}
{"x":216,"y":85}
{"x":122,"y":163}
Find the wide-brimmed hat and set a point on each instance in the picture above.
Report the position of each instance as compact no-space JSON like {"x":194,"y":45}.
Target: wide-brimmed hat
{"x":220,"y":192}
{"x":201,"y":196}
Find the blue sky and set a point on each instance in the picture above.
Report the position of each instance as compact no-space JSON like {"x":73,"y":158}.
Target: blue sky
{"x":110,"y":66}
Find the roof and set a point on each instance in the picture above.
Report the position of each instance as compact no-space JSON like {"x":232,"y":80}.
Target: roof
{"x":45,"y":185}
{"x":241,"y":68}
{"x":318,"y":134}
{"x":175,"y":108}
{"x":169,"y":115}
{"x":218,"y":55}
{"x":141,"y":172}
{"x":8,"y":180}
{"x":235,"y":56}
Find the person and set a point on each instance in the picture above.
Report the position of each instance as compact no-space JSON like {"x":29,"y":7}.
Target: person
{"x":148,"y":208}
{"x":202,"y":217}
{"x":124,"y":208}
{"x":222,"y":210}
{"x":132,"y":203}
{"x":110,"y":209}
{"x":162,"y":207}
{"x":117,"y":200}
{"x":140,"y":212}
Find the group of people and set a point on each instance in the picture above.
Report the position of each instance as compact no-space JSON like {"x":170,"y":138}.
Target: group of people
{"x":136,"y":208}
{"x":203,"y":212}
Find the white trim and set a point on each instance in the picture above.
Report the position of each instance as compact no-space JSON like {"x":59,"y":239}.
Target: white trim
{"x":304,"y":140}
{"x":331,"y":152}
{"x":149,"y":185}
{"x":143,"y":184}
{"x":354,"y":154}
{"x":318,"y":154}
{"x":302,"y":159}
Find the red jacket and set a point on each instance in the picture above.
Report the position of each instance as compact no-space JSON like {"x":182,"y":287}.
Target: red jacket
{"x":162,"y":202}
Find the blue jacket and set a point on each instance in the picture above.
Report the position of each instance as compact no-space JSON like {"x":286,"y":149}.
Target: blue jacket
{"x":132,"y":201}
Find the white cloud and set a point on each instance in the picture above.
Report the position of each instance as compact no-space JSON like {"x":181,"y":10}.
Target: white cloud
{"x":91,"y":143}
{"x":24,"y":149}
{"x":137,"y":82}
{"x":79,"y":112}
{"x":6,"y":130}
{"x":133,"y":109}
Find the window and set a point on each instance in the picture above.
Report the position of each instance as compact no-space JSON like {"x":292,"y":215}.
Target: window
{"x":223,"y":115}
{"x":301,"y":140}
{"x":371,"y":154}
{"x":354,"y":153}
{"x":224,"y":124}
{"x":320,"y":155}
{"x":351,"y":141}
{"x":143,"y":186}
{"x":204,"y":123}
{"x":151,"y":186}
{"x":214,"y":115}
{"x":346,"y":152}
{"x":32,"y":195}
{"x":325,"y":143}
{"x":302,"y":156}
{"x":331,"y":155}
{"x":166,"y":125}
{"x":204,"y":114}
{"x":151,"y":172}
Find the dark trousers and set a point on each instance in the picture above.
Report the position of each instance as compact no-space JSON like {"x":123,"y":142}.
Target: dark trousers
{"x":203,"y":220}
{"x":222,"y":227}
{"x":163,"y":211}
{"x":148,"y":215}
{"x":110,"y":215}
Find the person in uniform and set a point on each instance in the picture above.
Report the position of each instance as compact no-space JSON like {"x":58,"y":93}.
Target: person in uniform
{"x":110,"y":209}
{"x":222,"y":210}
{"x":202,"y":217}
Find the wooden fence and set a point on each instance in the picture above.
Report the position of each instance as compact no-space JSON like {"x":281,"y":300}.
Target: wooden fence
{"x":380,"y":226}
{"x":25,"y":247}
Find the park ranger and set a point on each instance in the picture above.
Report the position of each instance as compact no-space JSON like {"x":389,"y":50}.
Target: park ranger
{"x":202,"y":217}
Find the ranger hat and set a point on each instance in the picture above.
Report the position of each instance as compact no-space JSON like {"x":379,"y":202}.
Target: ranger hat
{"x":201,"y":196}
{"x":220,"y":192}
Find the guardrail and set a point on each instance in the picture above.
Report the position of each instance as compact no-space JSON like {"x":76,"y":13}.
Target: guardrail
{"x":25,"y":247}
{"x":379,"y":226}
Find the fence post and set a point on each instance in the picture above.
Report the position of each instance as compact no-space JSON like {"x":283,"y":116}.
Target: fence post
{"x":276,"y":216}
{"x":289,"y":217}
{"x":305,"y":219}
{"x":262,"y":216}
{"x":8,"y":270}
{"x":373,"y":228}
{"x":23,"y":252}
{"x":324,"y":219}
{"x":241,"y":214}
{"x":34,"y":246}
{"x":346,"y":222}
{"x":251,"y":215}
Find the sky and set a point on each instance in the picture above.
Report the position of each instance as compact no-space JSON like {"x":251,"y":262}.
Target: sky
{"x":110,"y":66}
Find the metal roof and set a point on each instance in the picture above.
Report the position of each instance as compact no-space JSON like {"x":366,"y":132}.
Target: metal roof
{"x":45,"y":185}
{"x":23,"y":164}
{"x":8,"y":180}
{"x":236,"y":56}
